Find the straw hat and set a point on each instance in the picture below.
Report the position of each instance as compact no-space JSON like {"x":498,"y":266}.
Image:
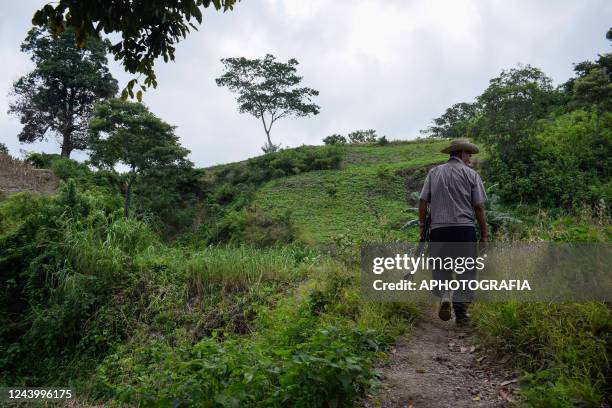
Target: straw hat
{"x":460,"y":144}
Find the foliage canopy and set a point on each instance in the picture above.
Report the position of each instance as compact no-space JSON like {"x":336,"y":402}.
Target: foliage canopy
{"x":148,"y":29}
{"x":268,"y":90}
{"x":58,"y":96}
{"x":127,"y":133}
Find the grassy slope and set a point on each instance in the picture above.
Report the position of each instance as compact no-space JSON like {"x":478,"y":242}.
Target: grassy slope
{"x":182,"y":302}
{"x":369,"y":205}
{"x":369,"y":201}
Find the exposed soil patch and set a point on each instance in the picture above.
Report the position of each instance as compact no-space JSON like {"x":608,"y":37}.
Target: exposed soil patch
{"x":17,"y":176}
{"x":442,"y":366}
{"x":413,"y":180}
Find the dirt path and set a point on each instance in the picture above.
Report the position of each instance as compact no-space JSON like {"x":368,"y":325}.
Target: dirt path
{"x":441,"y":365}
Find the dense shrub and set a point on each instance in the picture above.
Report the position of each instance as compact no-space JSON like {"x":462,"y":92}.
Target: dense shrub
{"x":296,"y":357}
{"x":280,"y":164}
{"x":67,"y":169}
{"x":362,"y":136}
{"x":334,"y":139}
{"x":565,"y":162}
{"x":41,"y":160}
{"x":170,"y":196}
{"x":252,"y":226}
{"x":329,"y":364}
{"x":382,"y":141}
{"x":294,"y":161}
{"x":62,"y":256}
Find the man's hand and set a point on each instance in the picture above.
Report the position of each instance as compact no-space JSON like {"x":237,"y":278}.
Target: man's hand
{"x":483,"y":244}
{"x":481,"y":217}
{"x":422,"y":216}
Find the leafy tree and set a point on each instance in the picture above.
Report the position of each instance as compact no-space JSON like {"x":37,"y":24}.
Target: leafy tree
{"x":59,"y":94}
{"x":592,"y":85}
{"x":334,"y":139}
{"x":509,"y":108}
{"x":148,"y":29}
{"x":595,"y":88}
{"x":362,"y":136}
{"x":268,"y":90}
{"x":454,"y":122}
{"x":3,"y":148}
{"x":567,"y":165}
{"x":382,"y":141}
{"x":123,"y":132}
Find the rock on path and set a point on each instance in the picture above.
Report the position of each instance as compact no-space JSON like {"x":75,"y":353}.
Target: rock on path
{"x":440,"y":365}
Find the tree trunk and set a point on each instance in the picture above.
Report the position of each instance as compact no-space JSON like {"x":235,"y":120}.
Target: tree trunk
{"x":268,"y":135}
{"x":263,"y":120}
{"x":128,"y":190}
{"x":126,"y":202}
{"x":66,"y":144}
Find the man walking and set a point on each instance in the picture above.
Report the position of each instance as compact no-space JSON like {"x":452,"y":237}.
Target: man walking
{"x":456,"y":196}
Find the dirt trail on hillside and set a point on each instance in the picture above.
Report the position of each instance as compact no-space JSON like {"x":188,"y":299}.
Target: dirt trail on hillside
{"x":441,"y":365}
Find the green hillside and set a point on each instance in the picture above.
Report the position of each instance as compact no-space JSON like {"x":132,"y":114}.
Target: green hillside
{"x":366,"y":198}
{"x":258,"y":303}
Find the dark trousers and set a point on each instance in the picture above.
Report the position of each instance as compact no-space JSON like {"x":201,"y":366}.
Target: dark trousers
{"x":454,"y":242}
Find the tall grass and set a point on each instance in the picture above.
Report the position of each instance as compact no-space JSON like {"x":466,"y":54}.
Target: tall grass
{"x":237,"y":268}
{"x":562,"y":348}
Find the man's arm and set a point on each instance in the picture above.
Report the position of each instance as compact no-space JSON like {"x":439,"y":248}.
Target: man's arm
{"x":481,"y":217}
{"x":422,"y":215}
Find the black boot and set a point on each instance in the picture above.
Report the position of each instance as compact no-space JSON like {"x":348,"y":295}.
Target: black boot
{"x":462,"y":317}
{"x":444,"y":310}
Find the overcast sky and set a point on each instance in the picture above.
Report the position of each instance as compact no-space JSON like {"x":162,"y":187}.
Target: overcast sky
{"x":387,"y":65}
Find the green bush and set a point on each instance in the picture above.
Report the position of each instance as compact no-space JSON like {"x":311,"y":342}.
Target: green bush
{"x":362,"y":136}
{"x":252,"y":226}
{"x":334,"y":139}
{"x":294,"y":161}
{"x":41,"y":160}
{"x":280,"y":164}
{"x":382,"y":141}
{"x":565,"y":163}
{"x":65,"y":256}
{"x":327,"y":366}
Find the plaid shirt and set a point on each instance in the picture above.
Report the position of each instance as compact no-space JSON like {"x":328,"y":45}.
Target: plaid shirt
{"x":452,"y":190}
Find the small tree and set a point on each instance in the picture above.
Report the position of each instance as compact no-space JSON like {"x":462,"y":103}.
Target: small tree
{"x":268,"y":90}
{"x":127,"y":133}
{"x":362,"y":136}
{"x":454,"y":122}
{"x":335,"y":139}
{"x":3,"y":148}
{"x":58,"y":96}
{"x":511,"y":104}
{"x":382,"y":141}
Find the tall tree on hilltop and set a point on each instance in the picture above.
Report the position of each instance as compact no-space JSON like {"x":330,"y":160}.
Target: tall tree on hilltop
{"x":123,"y":132}
{"x":268,"y":90}
{"x":58,"y":96}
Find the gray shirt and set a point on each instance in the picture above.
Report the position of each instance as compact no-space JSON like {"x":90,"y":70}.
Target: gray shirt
{"x":452,"y":190}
